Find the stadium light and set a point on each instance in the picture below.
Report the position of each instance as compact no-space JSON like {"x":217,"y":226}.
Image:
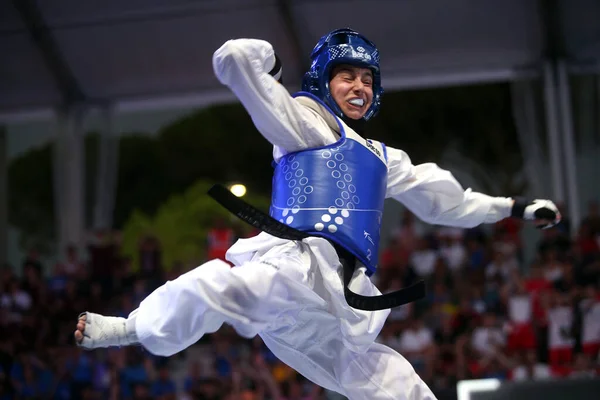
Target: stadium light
{"x":238,"y":189}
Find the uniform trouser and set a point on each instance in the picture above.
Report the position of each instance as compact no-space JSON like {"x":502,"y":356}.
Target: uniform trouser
{"x":282,"y":298}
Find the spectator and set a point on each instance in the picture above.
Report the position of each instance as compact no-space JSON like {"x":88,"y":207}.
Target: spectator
{"x":452,"y":248}
{"x":32,"y":260}
{"x":521,"y":332}
{"x":530,"y":368}
{"x":488,"y":338}
{"x":150,"y":257}
{"x":163,"y":387}
{"x":560,"y":319}
{"x":582,"y":367}
{"x":590,"y":309}
{"x":15,"y":301}
{"x":193,"y":378}
{"x":445,"y":339}
{"x":136,"y":374}
{"x":219,"y":239}
{"x":57,"y":281}
{"x":424,"y":257}
{"x":502,"y":265}
{"x":72,"y":266}
{"x":482,"y":318}
{"x":416,"y":344}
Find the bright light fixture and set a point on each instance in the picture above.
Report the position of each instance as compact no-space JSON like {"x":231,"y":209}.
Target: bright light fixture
{"x":238,"y":189}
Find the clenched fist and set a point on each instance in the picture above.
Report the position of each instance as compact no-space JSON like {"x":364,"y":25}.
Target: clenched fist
{"x":544,"y":213}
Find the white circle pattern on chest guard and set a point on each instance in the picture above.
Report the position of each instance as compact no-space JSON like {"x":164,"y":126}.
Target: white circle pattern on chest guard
{"x":332,"y":160}
{"x":346,"y":198}
{"x":334,"y":192}
{"x":291,"y":169}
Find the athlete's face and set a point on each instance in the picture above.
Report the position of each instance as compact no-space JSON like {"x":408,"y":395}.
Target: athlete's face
{"x":352,"y":89}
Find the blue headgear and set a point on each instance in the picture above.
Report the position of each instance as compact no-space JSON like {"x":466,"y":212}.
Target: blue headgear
{"x":342,"y":46}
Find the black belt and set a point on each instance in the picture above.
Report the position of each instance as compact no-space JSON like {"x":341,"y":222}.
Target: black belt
{"x":266,"y":223}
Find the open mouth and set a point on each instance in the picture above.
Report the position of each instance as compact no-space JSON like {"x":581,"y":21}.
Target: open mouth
{"x":356,"y":103}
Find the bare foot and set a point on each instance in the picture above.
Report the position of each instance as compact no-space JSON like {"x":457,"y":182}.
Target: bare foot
{"x":94,"y":331}
{"x":80,"y":328}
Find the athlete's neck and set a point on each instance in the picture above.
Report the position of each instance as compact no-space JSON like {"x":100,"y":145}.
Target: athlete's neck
{"x":357,"y":125}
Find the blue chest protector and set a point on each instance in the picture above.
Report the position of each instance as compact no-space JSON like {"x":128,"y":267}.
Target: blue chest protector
{"x":336,"y":192}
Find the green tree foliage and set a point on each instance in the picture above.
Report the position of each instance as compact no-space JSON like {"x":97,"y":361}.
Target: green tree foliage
{"x":31,"y":198}
{"x":221,"y":144}
{"x":476,"y":119}
{"x":180,"y":224}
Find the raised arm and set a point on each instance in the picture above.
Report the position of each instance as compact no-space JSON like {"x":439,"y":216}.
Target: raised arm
{"x":244,"y":65}
{"x":436,"y":197}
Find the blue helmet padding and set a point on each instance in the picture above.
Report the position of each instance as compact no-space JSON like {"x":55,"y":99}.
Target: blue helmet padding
{"x":342,"y":46}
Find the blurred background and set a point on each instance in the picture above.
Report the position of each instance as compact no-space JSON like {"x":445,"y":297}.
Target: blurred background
{"x":113,"y":126}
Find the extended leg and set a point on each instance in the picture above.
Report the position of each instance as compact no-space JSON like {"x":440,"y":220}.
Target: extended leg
{"x":179,"y":313}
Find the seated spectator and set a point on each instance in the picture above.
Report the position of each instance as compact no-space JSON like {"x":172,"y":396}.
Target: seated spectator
{"x":138,"y":370}
{"x":142,"y":392}
{"x":193,"y":377}
{"x":58,"y":279}
{"x":82,"y":365}
{"x":465,"y":318}
{"x":445,"y":339}
{"x":441,"y":274}
{"x":29,"y":377}
{"x":299,"y":389}
{"x":478,"y":304}
{"x":439,"y":294}
{"x":549,"y":320}
{"x":72,"y":265}
{"x":33,"y":260}
{"x":492,"y":368}
{"x":582,"y":367}
{"x":163,"y":387}
{"x":416,"y":343}
{"x":521,"y":333}
{"x":15,"y":301}
{"x":388,"y":337}
{"x":590,"y":309}
{"x":29,"y":387}
{"x":424,"y":257}
{"x":588,"y":237}
{"x":452,"y":249}
{"x":560,"y":320}
{"x":489,"y":337}
{"x":501,"y":265}
{"x":398,"y":315}
{"x":530,"y":368}
{"x":476,"y":251}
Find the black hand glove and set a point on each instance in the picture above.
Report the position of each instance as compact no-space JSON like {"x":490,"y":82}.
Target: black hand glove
{"x":543,"y":211}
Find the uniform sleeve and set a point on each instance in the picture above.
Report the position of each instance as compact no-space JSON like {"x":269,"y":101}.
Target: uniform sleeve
{"x":243,"y":65}
{"x":436,"y":197}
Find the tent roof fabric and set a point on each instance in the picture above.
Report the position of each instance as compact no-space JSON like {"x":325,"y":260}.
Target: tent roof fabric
{"x":131,"y":52}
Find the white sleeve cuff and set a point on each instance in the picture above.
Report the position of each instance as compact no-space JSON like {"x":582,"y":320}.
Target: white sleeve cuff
{"x":500,"y":208}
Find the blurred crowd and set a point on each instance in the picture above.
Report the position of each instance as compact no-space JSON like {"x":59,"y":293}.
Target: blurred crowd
{"x":487,"y":314}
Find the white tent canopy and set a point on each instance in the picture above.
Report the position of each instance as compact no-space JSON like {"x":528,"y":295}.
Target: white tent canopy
{"x":152,"y":52}
{"x":61,"y":58}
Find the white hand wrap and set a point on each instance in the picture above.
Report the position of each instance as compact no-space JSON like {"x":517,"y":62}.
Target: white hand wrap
{"x":101,"y":331}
